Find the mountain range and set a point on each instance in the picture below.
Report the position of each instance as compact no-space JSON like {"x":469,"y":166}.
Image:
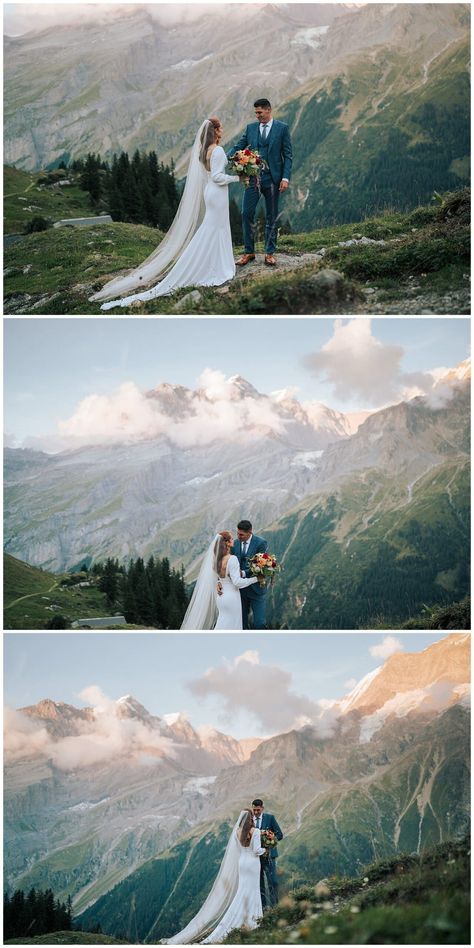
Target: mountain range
{"x":376,"y":96}
{"x":384,"y":770}
{"x":376,"y":503}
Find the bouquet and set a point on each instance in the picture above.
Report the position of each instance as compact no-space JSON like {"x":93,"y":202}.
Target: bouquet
{"x":268,"y":839}
{"x":248,"y":163}
{"x":264,"y":566}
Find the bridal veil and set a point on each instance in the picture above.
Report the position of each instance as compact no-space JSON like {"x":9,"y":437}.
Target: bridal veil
{"x":202,"y":610}
{"x":188,"y":218}
{"x":220,"y":897}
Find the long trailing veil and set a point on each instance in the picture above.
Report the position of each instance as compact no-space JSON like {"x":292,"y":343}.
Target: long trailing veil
{"x":220,"y":896}
{"x":187,"y":220}
{"x":202,"y":610}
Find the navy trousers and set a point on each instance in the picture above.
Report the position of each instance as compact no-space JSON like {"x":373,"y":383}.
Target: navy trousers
{"x":269,"y":893}
{"x":258,"y":605}
{"x":252,"y":195}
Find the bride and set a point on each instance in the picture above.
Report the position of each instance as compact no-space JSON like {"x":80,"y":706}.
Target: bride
{"x":198,"y":243}
{"x":223,"y":568}
{"x":234,"y":900}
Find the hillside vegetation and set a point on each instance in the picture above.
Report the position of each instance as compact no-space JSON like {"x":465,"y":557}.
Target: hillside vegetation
{"x":33,"y":596}
{"x":412,"y":262}
{"x":421,"y":900}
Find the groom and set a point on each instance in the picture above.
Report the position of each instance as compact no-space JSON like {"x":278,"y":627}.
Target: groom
{"x":264,"y":821}
{"x":271,"y":139}
{"x":252,"y":597}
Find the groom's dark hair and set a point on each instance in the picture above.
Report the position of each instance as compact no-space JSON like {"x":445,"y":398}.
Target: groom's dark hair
{"x":244,"y":525}
{"x":262,"y":104}
{"x":257,"y":802}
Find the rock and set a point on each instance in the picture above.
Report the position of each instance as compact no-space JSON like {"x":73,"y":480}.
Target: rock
{"x":10,"y":270}
{"x":364,"y":241}
{"x":330,"y":285}
{"x":44,"y":299}
{"x":369,"y":290}
{"x":27,"y":268}
{"x":85,"y":289}
{"x":189,"y":300}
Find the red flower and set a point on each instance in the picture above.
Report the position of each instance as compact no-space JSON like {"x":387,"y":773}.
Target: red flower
{"x":274,"y":563}
{"x":258,"y":161}
{"x":247,"y":151}
{"x":266,"y":556}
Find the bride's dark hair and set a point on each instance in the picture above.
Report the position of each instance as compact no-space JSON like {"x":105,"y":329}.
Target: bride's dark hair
{"x":209,"y":136}
{"x":245,"y":833}
{"x":222,"y":548}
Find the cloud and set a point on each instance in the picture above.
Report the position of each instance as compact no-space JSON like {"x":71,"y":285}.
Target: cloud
{"x":105,"y":738}
{"x":220,"y":409}
{"x":357,"y":364}
{"x":388,"y":647}
{"x":434,"y":698}
{"x":265,"y":691}
{"x":20,"y":18}
{"x":360,"y":366}
{"x":350,"y":683}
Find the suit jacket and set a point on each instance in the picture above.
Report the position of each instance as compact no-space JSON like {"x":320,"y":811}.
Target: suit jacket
{"x":269,"y":822}
{"x":280,"y":152}
{"x":257,"y":545}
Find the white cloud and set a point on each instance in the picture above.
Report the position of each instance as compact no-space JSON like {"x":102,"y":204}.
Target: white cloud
{"x":220,"y":410}
{"x":265,"y":691}
{"x":360,"y":366}
{"x":106,"y":737}
{"x":388,"y":647}
{"x":357,"y":364}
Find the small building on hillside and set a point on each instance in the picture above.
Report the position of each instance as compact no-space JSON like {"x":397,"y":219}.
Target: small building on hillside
{"x":103,"y":622}
{"x":84,"y":221}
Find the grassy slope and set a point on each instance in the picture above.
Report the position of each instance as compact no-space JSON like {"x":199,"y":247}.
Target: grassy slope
{"x":52,"y":203}
{"x":21,"y":580}
{"x":406,"y":900}
{"x":427,"y":245}
{"x":402,"y":559}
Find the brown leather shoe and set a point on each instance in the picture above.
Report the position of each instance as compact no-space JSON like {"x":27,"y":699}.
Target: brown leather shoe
{"x":270,"y":260}
{"x":245,"y":259}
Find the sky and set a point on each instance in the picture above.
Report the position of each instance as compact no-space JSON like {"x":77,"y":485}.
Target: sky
{"x":53,"y":365}
{"x":241,"y":684}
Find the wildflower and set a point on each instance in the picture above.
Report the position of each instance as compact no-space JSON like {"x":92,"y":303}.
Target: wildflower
{"x":354,"y":909}
{"x":330,"y":930}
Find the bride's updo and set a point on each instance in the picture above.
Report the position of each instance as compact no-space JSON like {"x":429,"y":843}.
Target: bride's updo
{"x":210,"y":136}
{"x":225,"y":538}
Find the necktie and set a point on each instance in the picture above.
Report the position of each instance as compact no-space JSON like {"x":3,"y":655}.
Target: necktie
{"x":265,"y":132}
{"x":244,"y":548}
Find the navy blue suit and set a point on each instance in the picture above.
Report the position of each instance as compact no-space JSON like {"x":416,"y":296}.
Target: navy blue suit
{"x":277,"y":151}
{"x":254,"y":596}
{"x":268,"y":864}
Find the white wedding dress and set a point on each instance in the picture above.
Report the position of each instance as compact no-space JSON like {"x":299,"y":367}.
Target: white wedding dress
{"x":208,"y":260}
{"x":246,"y":907}
{"x":229,"y":604}
{"x":234,"y":899}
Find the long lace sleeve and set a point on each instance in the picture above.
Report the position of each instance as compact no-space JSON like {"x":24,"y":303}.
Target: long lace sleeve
{"x":257,"y":849}
{"x":218,"y":163}
{"x":234,"y":573}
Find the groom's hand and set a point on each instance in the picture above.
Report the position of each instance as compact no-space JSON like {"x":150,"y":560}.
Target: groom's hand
{"x":284,"y":184}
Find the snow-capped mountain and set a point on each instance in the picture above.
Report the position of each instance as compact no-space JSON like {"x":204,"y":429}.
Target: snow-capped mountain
{"x":202,"y":460}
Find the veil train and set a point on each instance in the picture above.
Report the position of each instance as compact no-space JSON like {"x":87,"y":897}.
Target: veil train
{"x":188,"y":218}
{"x":220,"y":897}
